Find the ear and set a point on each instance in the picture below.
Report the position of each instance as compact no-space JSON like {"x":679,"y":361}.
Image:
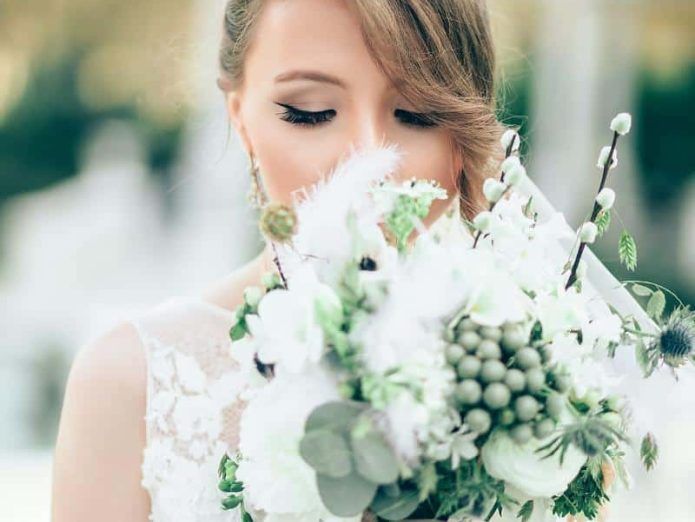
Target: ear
{"x":233,"y":102}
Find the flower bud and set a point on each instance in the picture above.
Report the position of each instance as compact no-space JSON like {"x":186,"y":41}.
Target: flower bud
{"x":603,"y":158}
{"x":507,"y":137}
{"x":515,"y":175}
{"x":588,"y":232}
{"x":621,"y":123}
{"x":510,"y":163}
{"x":482,"y":221}
{"x":606,"y":198}
{"x":493,"y":190}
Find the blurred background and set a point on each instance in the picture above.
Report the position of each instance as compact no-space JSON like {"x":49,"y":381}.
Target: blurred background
{"x":122,"y":184}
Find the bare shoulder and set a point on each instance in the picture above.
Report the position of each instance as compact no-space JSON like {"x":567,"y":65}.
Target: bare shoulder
{"x":101,"y":436}
{"x":228,"y":292}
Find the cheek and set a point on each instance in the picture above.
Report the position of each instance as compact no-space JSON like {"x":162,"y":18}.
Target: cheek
{"x":430,"y":155}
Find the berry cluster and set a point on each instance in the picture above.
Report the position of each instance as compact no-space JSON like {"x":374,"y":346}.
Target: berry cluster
{"x":505,"y":380}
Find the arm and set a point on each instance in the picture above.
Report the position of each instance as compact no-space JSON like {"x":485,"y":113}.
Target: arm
{"x":98,"y":454}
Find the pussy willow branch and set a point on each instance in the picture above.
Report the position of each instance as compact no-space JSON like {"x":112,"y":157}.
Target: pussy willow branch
{"x":594,"y":213}
{"x":507,"y":153}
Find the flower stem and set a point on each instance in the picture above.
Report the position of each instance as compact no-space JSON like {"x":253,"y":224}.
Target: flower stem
{"x":594,"y":213}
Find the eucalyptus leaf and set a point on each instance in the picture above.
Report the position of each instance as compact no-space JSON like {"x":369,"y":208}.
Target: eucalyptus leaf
{"x":346,"y":496}
{"x":656,"y":304}
{"x":374,"y":458}
{"x":327,"y":452}
{"x":395,"y":508}
{"x":641,"y":290}
{"x":335,"y":415}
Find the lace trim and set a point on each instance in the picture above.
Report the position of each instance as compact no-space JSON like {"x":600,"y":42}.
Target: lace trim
{"x":192,"y":410}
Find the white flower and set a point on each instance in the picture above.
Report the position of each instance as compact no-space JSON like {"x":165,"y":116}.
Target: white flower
{"x":606,"y":198}
{"x":588,"y":232}
{"x":493,"y":189}
{"x":463,"y":446}
{"x":560,"y":311}
{"x":520,"y":466}
{"x":507,"y":137}
{"x":285,"y":329}
{"x":621,"y":123}
{"x":603,"y":158}
{"x":276,"y":478}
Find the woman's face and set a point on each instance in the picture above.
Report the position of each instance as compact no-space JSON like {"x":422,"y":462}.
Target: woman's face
{"x":312,"y":90}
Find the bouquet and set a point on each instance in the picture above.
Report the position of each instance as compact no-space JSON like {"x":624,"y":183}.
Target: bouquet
{"x":454,"y":373}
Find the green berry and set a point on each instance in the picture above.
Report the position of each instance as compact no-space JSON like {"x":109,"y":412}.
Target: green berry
{"x":467,"y":325}
{"x":468,"y":392}
{"x":469,"y":340}
{"x":506,"y":417}
{"x":491,"y":332}
{"x":521,"y":433}
{"x":513,"y":338}
{"x":469,"y":367}
{"x":528,"y":358}
{"x":535,"y":380}
{"x":545,"y":353}
{"x":454,"y":352}
{"x":613,"y":418}
{"x":515,"y":380}
{"x":478,"y":420}
{"x":488,"y":349}
{"x":526,"y":408}
{"x":555,"y":405}
{"x":496,"y":395}
{"x":543,"y":428}
{"x":493,"y":371}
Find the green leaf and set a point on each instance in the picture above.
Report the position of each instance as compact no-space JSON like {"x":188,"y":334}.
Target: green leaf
{"x":395,"y":508}
{"x":641,"y":290}
{"x":346,"y":496}
{"x":327,"y":452}
{"x":526,"y":511}
{"x":238,"y":330}
{"x":374,"y":458}
{"x":649,"y":451}
{"x":427,"y":480}
{"x":627,"y":250}
{"x":603,"y":221}
{"x":656,"y":305}
{"x":334,"y":415}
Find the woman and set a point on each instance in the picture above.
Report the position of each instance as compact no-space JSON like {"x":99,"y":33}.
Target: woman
{"x":149,"y":406}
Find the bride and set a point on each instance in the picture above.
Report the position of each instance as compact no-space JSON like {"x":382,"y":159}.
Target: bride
{"x":149,"y":406}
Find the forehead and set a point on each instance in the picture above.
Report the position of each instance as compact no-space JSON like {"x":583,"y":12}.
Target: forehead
{"x":320,"y":35}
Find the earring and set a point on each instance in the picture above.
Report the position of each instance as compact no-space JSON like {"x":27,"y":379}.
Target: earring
{"x":256,"y":195}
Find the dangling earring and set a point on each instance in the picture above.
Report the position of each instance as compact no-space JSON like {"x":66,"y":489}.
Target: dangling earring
{"x":256,"y":195}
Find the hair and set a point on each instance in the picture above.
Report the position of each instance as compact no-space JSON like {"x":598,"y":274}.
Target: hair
{"x":439,"y":55}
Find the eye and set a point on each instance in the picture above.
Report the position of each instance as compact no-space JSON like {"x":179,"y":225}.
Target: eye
{"x":414,"y":119}
{"x":299,"y":117}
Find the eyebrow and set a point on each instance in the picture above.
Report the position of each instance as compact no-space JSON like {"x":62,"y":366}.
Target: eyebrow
{"x":315,"y":76}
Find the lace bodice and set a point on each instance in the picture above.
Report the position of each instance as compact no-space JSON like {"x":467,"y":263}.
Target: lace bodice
{"x":192,"y":410}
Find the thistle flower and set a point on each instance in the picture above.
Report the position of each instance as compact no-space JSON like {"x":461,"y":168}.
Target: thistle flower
{"x":493,"y":190}
{"x":278,"y":222}
{"x":603,"y":158}
{"x":606,"y":198}
{"x":507,"y":137}
{"x":676,"y":342}
{"x":621,"y":123}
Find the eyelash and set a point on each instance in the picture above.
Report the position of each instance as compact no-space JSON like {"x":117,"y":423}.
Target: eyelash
{"x":309,"y":119}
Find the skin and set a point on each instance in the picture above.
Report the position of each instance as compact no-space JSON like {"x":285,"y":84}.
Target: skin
{"x":96,"y":472}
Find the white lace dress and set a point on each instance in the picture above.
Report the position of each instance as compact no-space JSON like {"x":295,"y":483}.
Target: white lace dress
{"x":192,"y":409}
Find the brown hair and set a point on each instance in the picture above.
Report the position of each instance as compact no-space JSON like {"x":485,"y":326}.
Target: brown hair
{"x":439,"y":54}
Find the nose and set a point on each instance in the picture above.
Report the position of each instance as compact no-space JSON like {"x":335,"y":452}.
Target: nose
{"x":368,"y":130}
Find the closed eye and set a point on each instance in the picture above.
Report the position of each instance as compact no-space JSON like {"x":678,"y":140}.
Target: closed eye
{"x":300,"y":117}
